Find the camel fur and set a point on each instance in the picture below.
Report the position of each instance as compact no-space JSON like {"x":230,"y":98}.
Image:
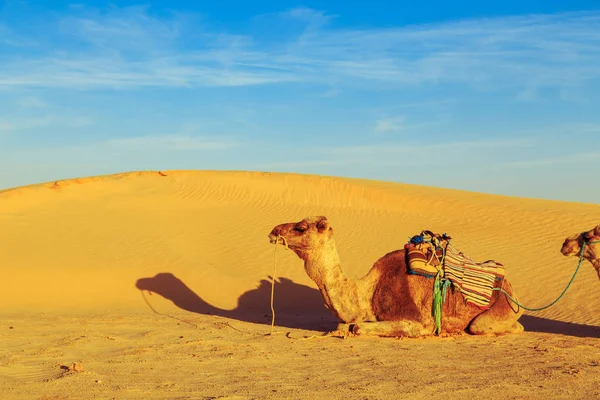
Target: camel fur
{"x":572,"y":247}
{"x":388,"y":301}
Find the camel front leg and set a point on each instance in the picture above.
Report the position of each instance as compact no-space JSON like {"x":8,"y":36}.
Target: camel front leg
{"x":387,"y":328}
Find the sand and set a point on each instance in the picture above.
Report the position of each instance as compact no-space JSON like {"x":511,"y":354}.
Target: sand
{"x":157,"y":285}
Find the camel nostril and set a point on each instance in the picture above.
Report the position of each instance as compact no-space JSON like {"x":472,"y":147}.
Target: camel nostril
{"x":568,"y":249}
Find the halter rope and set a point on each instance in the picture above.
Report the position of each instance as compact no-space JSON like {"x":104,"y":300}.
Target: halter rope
{"x":273,"y":278}
{"x":563,"y":292}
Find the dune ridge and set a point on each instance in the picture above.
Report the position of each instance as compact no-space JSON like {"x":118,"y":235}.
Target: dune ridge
{"x":92,"y":238}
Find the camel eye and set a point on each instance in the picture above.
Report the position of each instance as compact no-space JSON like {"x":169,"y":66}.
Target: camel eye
{"x":321,"y":226}
{"x":301,"y":228}
{"x":586,"y":236}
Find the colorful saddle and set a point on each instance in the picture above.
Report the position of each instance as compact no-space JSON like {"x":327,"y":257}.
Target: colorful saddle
{"x":430,"y":254}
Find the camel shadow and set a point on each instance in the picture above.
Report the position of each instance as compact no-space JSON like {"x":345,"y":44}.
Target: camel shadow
{"x":301,"y":307}
{"x":537,"y":324}
{"x":296,"y":306}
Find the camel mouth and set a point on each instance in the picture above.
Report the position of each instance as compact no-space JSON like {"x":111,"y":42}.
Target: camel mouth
{"x":278,"y":239}
{"x":569,"y":251}
{"x":274,"y":239}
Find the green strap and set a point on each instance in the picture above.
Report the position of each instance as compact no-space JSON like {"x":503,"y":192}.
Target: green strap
{"x":440,"y":287}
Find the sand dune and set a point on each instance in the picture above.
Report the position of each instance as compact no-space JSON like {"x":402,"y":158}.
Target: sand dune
{"x":84,"y":249}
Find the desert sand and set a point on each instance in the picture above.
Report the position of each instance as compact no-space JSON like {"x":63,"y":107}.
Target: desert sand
{"x":157,"y":285}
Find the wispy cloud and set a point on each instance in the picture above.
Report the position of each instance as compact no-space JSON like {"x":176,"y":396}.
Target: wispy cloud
{"x":9,"y":38}
{"x":14,"y":124}
{"x":283,"y":165}
{"x":569,"y":159}
{"x":31,"y":102}
{"x":388,"y":125}
{"x":333,"y":92}
{"x":128,"y":48}
{"x":172,"y":142}
{"x":129,"y":28}
{"x":431,"y":148}
{"x":394,"y":154}
{"x":138,"y":152}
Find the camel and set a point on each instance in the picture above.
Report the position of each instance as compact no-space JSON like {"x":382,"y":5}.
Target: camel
{"x":388,"y":301}
{"x":572,"y":247}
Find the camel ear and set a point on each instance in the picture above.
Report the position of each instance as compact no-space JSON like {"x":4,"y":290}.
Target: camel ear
{"x":322,"y":225}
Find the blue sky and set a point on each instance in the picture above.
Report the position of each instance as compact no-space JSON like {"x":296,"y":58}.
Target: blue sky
{"x":497,"y":98}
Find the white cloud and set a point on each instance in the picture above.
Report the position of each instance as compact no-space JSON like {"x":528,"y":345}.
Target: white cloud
{"x":14,"y":124}
{"x":172,"y":142}
{"x":31,"y":102}
{"x":115,"y":73}
{"x":8,"y":38}
{"x":333,"y":92}
{"x":569,"y":159}
{"x":389,"y":125}
{"x":430,"y":148}
{"x":395,"y":155}
{"x":142,"y":152}
{"x":128,"y":48}
{"x":131,"y":28}
{"x":300,"y":164}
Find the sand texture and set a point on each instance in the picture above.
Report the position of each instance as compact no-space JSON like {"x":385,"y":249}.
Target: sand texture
{"x":157,"y":285}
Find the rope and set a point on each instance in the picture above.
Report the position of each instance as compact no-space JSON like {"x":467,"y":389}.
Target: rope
{"x":289,"y":334}
{"x":439,"y":292}
{"x":441,"y":285}
{"x":563,"y":292}
{"x":323,"y":336}
{"x":273,"y":279}
{"x":159,"y":313}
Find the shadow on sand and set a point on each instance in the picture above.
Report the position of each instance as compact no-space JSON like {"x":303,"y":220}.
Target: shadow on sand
{"x":301,"y":307}
{"x":536,"y":324}
{"x":296,"y":306}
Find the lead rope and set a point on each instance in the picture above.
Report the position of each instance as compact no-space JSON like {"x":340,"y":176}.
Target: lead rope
{"x":563,"y":292}
{"x":289,"y":334}
{"x":273,"y":279}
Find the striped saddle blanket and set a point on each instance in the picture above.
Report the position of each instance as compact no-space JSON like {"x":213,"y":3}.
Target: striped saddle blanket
{"x":429,"y":253}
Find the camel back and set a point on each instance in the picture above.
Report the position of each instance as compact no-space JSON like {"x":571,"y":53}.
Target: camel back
{"x":430,"y":253}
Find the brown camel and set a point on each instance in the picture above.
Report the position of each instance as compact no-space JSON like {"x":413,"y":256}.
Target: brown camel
{"x":388,"y":301}
{"x":572,"y":247}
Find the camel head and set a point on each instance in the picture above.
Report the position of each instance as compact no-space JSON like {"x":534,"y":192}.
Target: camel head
{"x":573,"y":244}
{"x":309,"y":234}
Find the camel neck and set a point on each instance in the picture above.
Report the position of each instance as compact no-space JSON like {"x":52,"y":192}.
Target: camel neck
{"x":324,"y":266}
{"x":339,"y":291}
{"x":596,"y":265}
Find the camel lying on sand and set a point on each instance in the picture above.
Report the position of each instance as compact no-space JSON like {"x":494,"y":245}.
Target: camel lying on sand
{"x":572,"y":247}
{"x":388,"y":301}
